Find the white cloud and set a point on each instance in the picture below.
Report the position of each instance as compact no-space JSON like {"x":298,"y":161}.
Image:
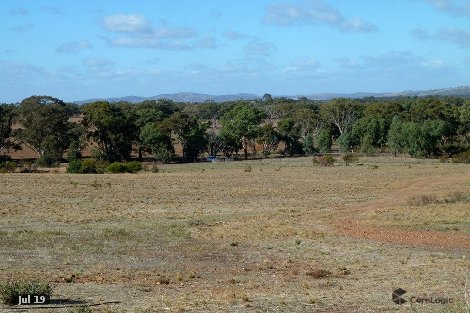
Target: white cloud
{"x":259,"y":48}
{"x":22,"y":28}
{"x":127,"y":23}
{"x":450,"y":7}
{"x":233,"y":35}
{"x":52,"y":10}
{"x":314,"y":12}
{"x":19,"y":11}
{"x":74,"y":47}
{"x":457,"y":36}
{"x":135,"y":31}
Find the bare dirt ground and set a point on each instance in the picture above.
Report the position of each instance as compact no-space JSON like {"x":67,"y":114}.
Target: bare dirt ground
{"x":277,"y":236}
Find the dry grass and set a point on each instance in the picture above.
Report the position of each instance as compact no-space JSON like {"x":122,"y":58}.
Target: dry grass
{"x":215,"y":237}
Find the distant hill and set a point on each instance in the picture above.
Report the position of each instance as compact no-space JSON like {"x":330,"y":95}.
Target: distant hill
{"x":463,"y":91}
{"x":179,"y":97}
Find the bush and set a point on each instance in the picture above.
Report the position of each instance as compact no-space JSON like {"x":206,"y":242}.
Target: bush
{"x":326,"y":160}
{"x":7,"y":167}
{"x":116,"y":168}
{"x":131,"y":167}
{"x":89,"y":167}
{"x":134,"y":167}
{"x":9,"y":292}
{"x":348,"y":158}
{"x":453,"y":149}
{"x":463,"y":157}
{"x":74,"y":166}
{"x":80,"y":309}
{"x":74,"y":153}
{"x":47,"y":161}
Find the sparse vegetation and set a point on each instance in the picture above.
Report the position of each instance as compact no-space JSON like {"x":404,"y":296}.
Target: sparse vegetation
{"x":223,"y":234}
{"x":349,"y":158}
{"x":326,"y":160}
{"x":130,"y":167}
{"x":10,"y":291}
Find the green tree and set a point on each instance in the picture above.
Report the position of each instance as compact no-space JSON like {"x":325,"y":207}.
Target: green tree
{"x":7,"y":115}
{"x":111,"y":128}
{"x":423,"y":138}
{"x":157,"y":141}
{"x":45,"y":127}
{"x":342,"y":113}
{"x":190,"y":132}
{"x":325,"y":140}
{"x":397,"y":136}
{"x":241,"y":123}
{"x":268,"y":138}
{"x":289,"y":133}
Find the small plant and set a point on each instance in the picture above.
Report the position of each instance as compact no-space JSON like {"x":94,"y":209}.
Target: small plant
{"x":154,"y":169}
{"x":319,"y":273}
{"x":80,"y":309}
{"x":444,"y":158}
{"x":131,"y":167}
{"x":247,"y":169}
{"x":47,"y":161}
{"x":117,"y":168}
{"x":326,"y":160}
{"x":7,"y":167}
{"x":134,"y":167}
{"x":10,"y":292}
{"x":89,"y":167}
{"x":422,"y":200}
{"x":74,"y":166}
{"x":349,"y":158}
{"x":463,"y":157}
{"x":95,"y":184}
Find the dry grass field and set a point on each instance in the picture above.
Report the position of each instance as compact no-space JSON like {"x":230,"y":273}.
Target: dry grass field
{"x":260,"y":236}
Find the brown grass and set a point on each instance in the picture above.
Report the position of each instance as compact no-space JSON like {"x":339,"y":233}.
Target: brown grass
{"x":214,"y":237}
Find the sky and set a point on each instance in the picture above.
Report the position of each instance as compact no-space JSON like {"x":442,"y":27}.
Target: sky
{"x":76,"y":50}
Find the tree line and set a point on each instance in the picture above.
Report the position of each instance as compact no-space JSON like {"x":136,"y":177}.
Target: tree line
{"x":419,"y":127}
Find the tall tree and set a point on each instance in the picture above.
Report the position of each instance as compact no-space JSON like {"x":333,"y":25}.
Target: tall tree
{"x":45,"y":127}
{"x":113,"y":131}
{"x":242,"y":122}
{"x":342,"y":113}
{"x":6,"y":121}
{"x":190,"y":133}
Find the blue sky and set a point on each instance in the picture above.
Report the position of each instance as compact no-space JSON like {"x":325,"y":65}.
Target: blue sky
{"x":76,"y":50}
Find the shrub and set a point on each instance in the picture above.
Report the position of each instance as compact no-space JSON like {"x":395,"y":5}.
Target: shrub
{"x":7,"y":167}
{"x":131,"y":167}
{"x":463,"y":157}
{"x":326,"y":160}
{"x":453,"y":149}
{"x":116,"y":168}
{"x":134,"y":167}
{"x":9,"y":292}
{"x":348,"y":158}
{"x":74,"y":153}
{"x":422,"y":200}
{"x":319,"y":273}
{"x":47,"y":161}
{"x":74,"y":166}
{"x":154,"y":168}
{"x":89,"y":167}
{"x":80,"y":309}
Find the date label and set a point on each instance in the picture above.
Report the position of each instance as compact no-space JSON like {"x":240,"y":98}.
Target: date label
{"x":33,"y":299}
